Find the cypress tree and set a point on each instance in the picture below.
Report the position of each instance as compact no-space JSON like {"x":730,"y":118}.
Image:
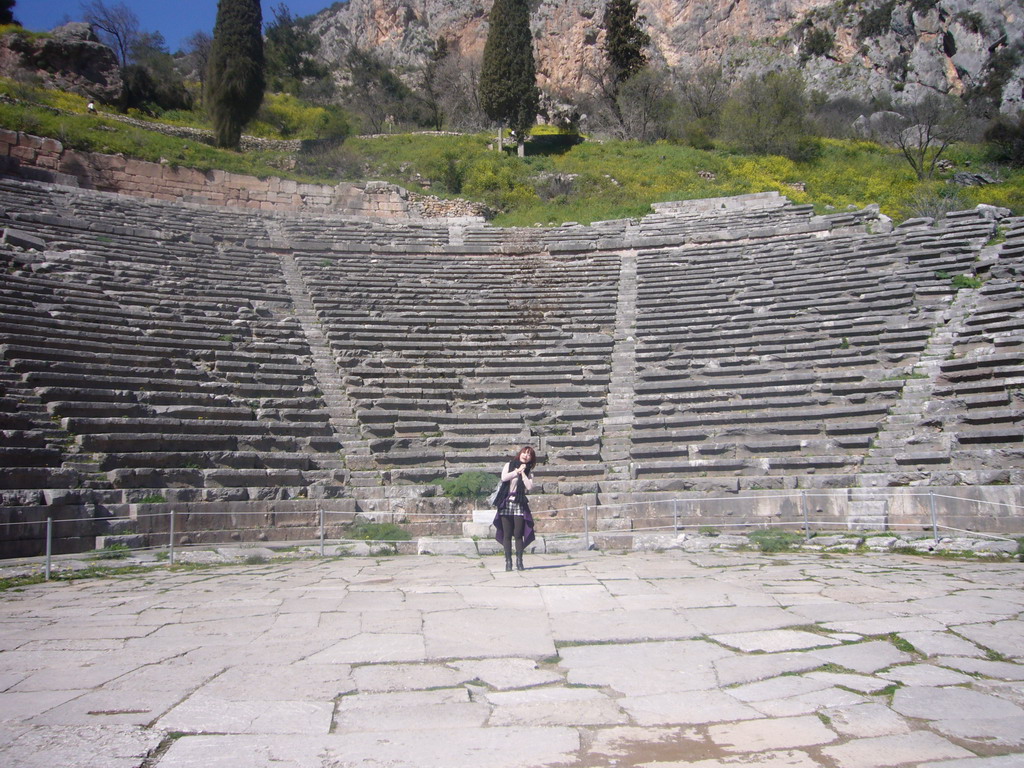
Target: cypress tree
{"x":625,"y":39}
{"x":235,"y":74}
{"x":7,"y":12}
{"x":508,"y":76}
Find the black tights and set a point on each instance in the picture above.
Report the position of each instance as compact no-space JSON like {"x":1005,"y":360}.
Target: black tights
{"x":512,"y":525}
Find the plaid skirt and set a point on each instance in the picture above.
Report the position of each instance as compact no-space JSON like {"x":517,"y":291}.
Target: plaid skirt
{"x":512,"y":508}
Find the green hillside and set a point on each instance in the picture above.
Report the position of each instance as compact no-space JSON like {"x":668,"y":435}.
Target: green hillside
{"x":563,"y":177}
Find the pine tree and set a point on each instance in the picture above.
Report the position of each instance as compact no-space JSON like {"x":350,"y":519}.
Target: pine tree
{"x":508,"y":76}
{"x":235,"y":77}
{"x":625,"y":39}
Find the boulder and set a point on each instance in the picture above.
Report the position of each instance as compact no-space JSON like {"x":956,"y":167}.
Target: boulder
{"x":876,"y":124}
{"x":70,"y":59}
{"x":992,"y":212}
{"x":967,"y":179}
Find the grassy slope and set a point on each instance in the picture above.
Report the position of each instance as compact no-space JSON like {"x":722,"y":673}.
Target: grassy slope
{"x":621,"y":179}
{"x":612,"y":179}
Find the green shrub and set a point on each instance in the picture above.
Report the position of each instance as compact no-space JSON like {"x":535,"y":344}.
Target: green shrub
{"x":698,"y":133}
{"x":769,"y":116}
{"x":500,"y":181}
{"x":20,"y":31}
{"x":774,"y":540}
{"x":468,"y":485}
{"x":965,"y":281}
{"x":113,"y":552}
{"x":449,"y":171}
{"x":153,"y":94}
{"x":366,"y":531}
{"x":329,"y":161}
{"x":1005,"y":139}
{"x":934,"y":200}
{"x":153,"y":498}
{"x":972,"y":21}
{"x":334,"y":125}
{"x":287,"y":116}
{"x":877,"y":21}
{"x":817,"y":42}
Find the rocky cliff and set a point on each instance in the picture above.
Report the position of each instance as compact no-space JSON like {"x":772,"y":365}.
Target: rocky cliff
{"x":70,"y":58}
{"x":849,"y":47}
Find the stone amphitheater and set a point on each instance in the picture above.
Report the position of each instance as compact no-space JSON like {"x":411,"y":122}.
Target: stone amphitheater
{"x":717,"y":362}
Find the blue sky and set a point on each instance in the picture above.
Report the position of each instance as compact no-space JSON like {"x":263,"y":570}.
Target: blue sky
{"x":176,"y":19}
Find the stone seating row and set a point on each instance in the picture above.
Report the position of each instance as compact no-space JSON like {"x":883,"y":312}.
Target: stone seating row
{"x":978,"y":387}
{"x":819,"y":363}
{"x":103,"y":445}
{"x":175,"y":217}
{"x":318,"y":229}
{"x":480,"y":360}
{"x":86,"y":373}
{"x":366,"y":237}
{"x":911,"y":344}
{"x":787,"y":344}
{"x":676,"y":227}
{"x":127,"y":279}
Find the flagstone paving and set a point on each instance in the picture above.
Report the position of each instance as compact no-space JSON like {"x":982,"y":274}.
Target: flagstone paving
{"x":584,"y":660}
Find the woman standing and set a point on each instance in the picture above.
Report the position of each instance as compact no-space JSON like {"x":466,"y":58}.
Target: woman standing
{"x":514,"y":519}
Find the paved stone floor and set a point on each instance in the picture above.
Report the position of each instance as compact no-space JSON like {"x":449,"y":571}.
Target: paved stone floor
{"x":587,"y":660}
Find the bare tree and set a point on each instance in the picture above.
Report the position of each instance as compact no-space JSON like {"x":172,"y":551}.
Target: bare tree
{"x":924,"y":130}
{"x":434,"y":84}
{"x":704,"y":91}
{"x":460,"y":98}
{"x":197,"y":48}
{"x":644,"y":104}
{"x":116,"y":25}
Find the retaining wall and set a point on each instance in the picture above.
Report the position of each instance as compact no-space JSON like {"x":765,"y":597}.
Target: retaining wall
{"x":47,"y":160}
{"x":77,"y":527}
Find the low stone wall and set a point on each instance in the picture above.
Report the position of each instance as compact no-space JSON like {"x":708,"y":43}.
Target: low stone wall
{"x":47,"y":160}
{"x":431,"y":207}
{"x":996,"y":509}
{"x":79,"y":520}
{"x":245,"y":143}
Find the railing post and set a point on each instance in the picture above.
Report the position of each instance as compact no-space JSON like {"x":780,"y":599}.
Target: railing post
{"x":586,"y":526}
{"x":807,"y":523}
{"x":321,"y":511}
{"x":49,"y":545}
{"x":171,"y":538}
{"x":675,"y":514}
{"x":935,"y":519}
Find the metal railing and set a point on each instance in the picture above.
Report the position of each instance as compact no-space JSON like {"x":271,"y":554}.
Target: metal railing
{"x":806,"y":511}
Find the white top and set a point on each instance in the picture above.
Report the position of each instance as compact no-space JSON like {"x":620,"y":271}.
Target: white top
{"x":507,"y":474}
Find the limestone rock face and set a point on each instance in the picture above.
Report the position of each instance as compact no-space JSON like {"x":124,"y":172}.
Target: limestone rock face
{"x":950,"y":47}
{"x":567,"y":34}
{"x":71,"y":59}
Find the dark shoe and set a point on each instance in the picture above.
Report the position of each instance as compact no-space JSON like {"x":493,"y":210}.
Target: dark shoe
{"x":519,"y":562}
{"x":508,"y":562}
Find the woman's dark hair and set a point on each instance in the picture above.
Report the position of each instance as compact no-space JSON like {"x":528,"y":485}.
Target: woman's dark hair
{"x":533,"y":458}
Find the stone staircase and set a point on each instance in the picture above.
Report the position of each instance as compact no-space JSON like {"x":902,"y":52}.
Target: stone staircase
{"x":617,"y":427}
{"x":907,"y":439}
